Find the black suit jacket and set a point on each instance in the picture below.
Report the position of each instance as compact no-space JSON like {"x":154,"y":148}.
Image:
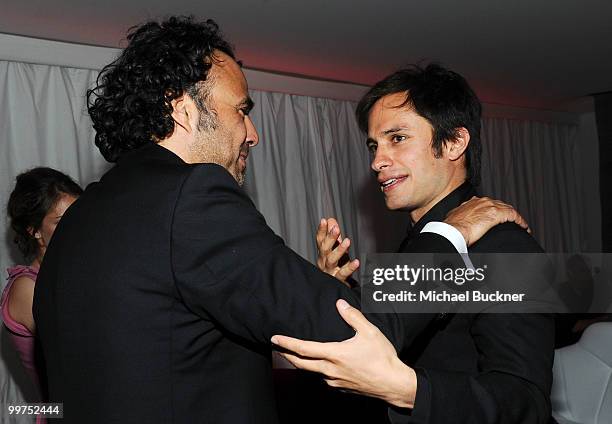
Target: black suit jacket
{"x":481,"y":368}
{"x":160,"y":291}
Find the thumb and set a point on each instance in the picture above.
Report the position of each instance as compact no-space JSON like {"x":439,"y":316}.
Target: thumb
{"x":352,"y":316}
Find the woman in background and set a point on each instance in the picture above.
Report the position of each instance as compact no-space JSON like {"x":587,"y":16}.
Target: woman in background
{"x":39,"y":200}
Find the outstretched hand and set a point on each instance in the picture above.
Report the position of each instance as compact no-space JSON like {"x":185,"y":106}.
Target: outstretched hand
{"x":479,"y":214}
{"x":365,"y":364}
{"x":332,"y":249}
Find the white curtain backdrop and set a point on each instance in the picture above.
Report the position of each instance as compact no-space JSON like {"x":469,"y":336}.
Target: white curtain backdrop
{"x":311,"y":162}
{"x":533,"y":166}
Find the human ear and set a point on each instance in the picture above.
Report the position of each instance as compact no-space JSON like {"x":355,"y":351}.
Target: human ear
{"x":456,"y":147}
{"x":184,"y":112}
{"x":37,"y":235}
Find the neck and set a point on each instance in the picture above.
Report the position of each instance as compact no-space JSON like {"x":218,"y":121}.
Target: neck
{"x":178,"y":147}
{"x":453,"y":183}
{"x":36,"y":262}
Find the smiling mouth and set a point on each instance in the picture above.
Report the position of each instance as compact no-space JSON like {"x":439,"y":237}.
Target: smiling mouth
{"x":391,"y":183}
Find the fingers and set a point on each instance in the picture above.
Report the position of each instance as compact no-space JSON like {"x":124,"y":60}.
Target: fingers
{"x":335,"y":255}
{"x":354,"y":317}
{"x":314,"y":350}
{"x":321,"y":231}
{"x":347,"y":270}
{"x":308,"y":364}
{"x":500,"y":211}
{"x":330,"y":238}
{"x":328,"y":234}
{"x":522,"y":222}
{"x":331,"y":221}
{"x":321,"y":366}
{"x":509,"y":214}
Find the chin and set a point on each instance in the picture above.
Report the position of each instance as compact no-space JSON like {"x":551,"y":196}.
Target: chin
{"x":392,"y":206}
{"x":395,"y":205}
{"x":240,"y":178}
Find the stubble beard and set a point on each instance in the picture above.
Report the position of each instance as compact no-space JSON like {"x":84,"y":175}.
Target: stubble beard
{"x":240,"y":177}
{"x":209,"y":147}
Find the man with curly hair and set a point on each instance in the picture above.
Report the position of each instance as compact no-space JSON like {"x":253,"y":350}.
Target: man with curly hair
{"x":161,"y":290}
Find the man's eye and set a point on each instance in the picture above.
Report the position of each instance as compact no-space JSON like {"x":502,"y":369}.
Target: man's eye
{"x":372,"y":147}
{"x":398,"y":138}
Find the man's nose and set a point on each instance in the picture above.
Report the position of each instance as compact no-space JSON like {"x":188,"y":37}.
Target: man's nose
{"x":381,"y":160}
{"x":251,"y":136}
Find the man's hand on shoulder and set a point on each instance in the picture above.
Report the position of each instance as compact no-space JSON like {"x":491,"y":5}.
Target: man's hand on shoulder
{"x":479,"y":214}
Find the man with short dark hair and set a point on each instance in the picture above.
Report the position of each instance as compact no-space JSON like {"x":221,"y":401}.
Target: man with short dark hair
{"x":423,"y":127}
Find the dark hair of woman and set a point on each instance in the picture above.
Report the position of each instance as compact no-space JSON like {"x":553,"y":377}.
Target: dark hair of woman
{"x":36,"y":192}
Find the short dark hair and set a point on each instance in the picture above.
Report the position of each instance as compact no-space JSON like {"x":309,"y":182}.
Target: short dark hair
{"x":131,"y":103}
{"x":441,"y":96}
{"x":36,"y":192}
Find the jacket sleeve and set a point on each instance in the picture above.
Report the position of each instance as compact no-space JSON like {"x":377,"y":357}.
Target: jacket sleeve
{"x":512,"y":383}
{"x":411,"y":326}
{"x":513,"y":379}
{"x":230,"y":267}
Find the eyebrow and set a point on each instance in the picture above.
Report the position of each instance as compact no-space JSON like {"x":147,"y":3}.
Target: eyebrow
{"x":247,"y":104}
{"x":394,"y":130}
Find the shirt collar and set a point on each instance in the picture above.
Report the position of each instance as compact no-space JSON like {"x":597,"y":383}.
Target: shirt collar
{"x":439,"y":211}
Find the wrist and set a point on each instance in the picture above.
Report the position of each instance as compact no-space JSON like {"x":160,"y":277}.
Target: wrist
{"x":461,"y":228}
{"x":403,"y":387}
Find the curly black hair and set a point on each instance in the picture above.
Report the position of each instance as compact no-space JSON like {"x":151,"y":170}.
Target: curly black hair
{"x":36,"y":192}
{"x":441,"y":96}
{"x":131,"y":103}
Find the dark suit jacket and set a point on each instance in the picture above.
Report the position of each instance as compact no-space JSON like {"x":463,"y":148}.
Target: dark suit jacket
{"x":160,"y":291}
{"x":485,"y":368}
